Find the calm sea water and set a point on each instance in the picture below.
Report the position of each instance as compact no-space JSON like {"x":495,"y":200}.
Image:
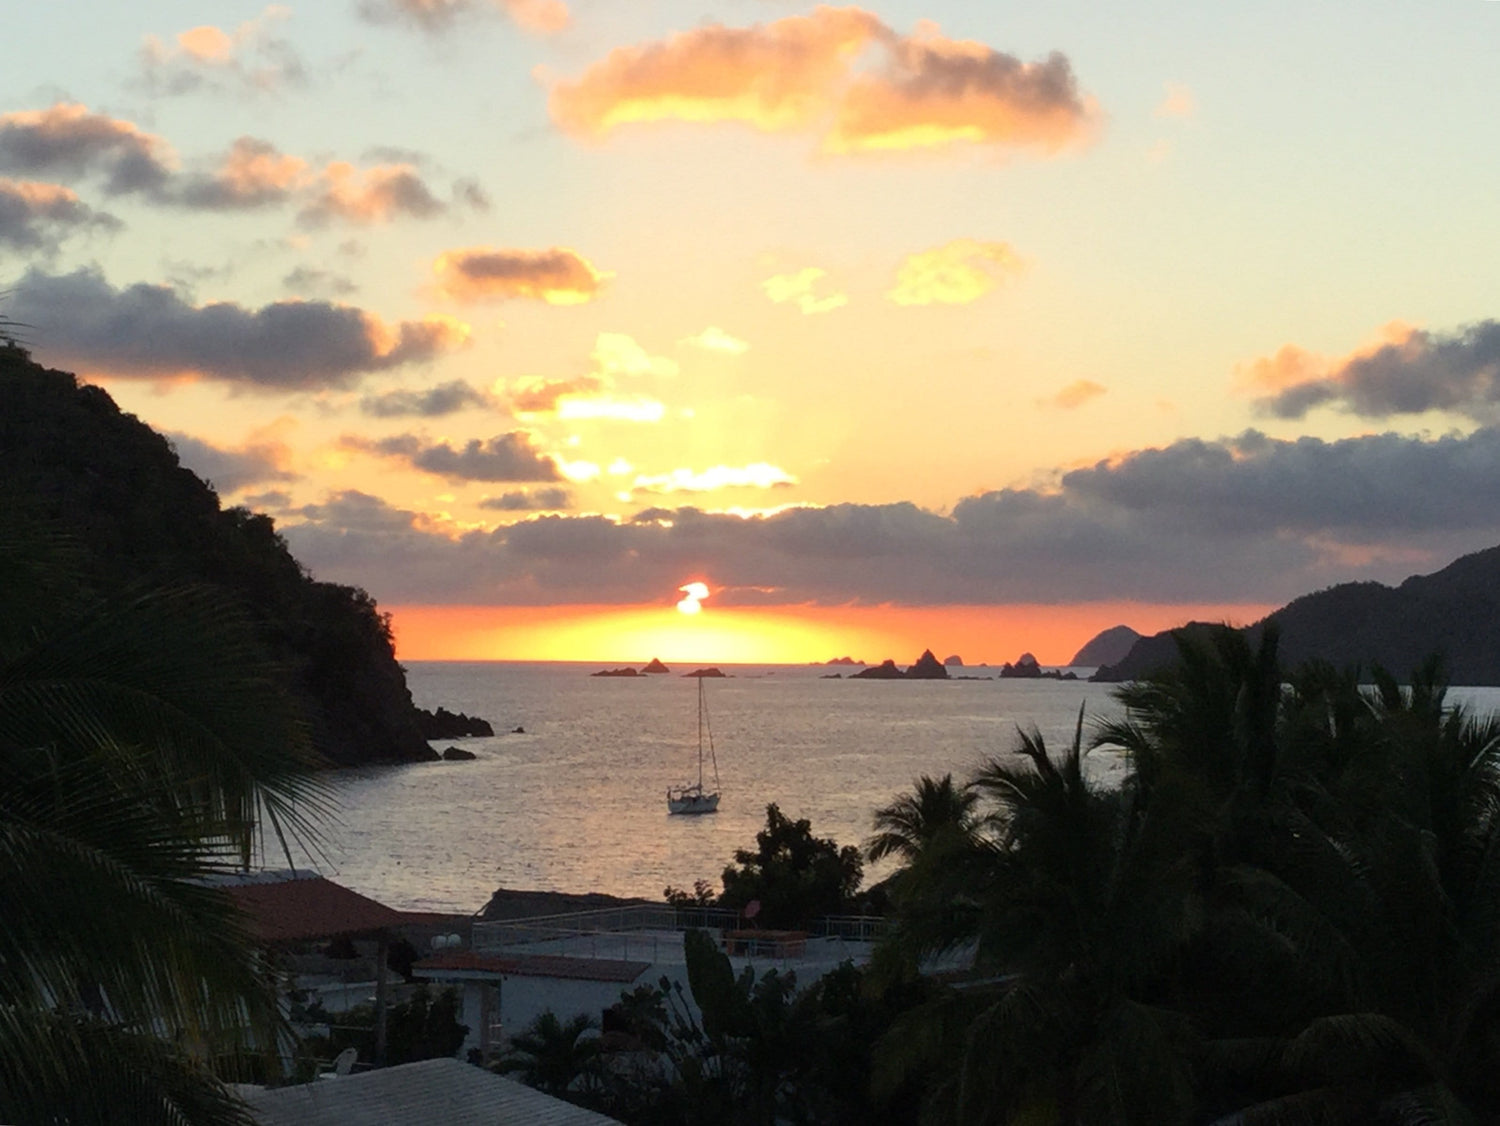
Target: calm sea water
{"x":577,"y":803}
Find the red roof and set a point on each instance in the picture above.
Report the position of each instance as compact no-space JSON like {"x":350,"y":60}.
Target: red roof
{"x":532,"y":965}
{"x":300,"y":910}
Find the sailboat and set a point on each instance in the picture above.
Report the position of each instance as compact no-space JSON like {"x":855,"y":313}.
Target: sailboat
{"x":694,"y":798}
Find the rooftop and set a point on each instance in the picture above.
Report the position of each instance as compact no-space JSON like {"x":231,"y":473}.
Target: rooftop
{"x":441,"y":1090}
{"x":292,"y":907}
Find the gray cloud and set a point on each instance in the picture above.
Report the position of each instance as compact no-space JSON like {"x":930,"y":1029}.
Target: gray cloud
{"x":36,"y":216}
{"x":376,"y":195}
{"x":549,"y":499}
{"x":147,"y":331}
{"x":69,"y":140}
{"x":254,"y":174}
{"x":230,"y":470}
{"x":544,"y":16}
{"x":445,"y":398}
{"x":1458,"y":372}
{"x":310,"y":279}
{"x":207,"y":59}
{"x":1244,"y":519}
{"x":506,"y":457}
{"x":1372,"y":487}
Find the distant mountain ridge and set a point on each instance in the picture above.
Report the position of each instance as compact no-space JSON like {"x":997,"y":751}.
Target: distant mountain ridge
{"x":1454,"y":612}
{"x":70,"y":457}
{"x":1106,"y":647}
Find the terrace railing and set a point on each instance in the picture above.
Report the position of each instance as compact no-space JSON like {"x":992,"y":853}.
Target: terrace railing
{"x":651,"y":932}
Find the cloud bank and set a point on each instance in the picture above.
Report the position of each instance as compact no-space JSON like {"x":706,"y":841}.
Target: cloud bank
{"x":81,"y":321}
{"x":1243,"y":519}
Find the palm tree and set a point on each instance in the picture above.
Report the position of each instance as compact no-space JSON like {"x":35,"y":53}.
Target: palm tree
{"x":1288,"y":912}
{"x":934,"y":810}
{"x":553,"y":1055}
{"x":1074,"y":906}
{"x":145,"y":744}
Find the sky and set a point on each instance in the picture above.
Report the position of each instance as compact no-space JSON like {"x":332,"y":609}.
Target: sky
{"x":928,"y":324}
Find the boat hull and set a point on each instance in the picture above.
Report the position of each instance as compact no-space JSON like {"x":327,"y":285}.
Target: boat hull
{"x":691,"y":801}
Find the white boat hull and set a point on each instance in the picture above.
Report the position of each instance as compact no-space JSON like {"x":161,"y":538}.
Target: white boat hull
{"x":691,"y":800}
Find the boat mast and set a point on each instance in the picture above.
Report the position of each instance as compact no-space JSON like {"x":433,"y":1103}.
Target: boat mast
{"x":700,"y":734}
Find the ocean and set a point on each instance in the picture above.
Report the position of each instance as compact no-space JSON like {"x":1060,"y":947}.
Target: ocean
{"x":577,"y":803}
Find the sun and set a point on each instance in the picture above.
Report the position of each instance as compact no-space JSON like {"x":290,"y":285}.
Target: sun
{"x":693,"y":596}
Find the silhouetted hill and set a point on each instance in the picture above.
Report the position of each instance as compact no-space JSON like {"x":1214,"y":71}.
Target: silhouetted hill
{"x":1106,"y":647}
{"x":115,"y":487}
{"x":1454,"y":612}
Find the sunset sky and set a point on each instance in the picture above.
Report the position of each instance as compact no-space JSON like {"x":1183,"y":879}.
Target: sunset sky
{"x":923,"y":323}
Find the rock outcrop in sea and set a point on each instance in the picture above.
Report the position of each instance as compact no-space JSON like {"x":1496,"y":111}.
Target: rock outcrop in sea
{"x":443,"y":724}
{"x":927,"y":667}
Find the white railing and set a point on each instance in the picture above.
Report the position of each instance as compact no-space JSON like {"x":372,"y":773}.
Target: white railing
{"x":653,"y":933}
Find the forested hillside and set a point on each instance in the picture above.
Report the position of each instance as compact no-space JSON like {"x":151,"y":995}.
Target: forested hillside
{"x":1454,"y":613}
{"x":113,"y":487}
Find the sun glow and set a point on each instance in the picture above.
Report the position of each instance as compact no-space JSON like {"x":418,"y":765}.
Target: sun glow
{"x":778,"y":635}
{"x":692,"y":598}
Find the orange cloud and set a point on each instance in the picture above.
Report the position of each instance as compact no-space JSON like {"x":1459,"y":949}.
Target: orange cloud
{"x":937,"y":92}
{"x":433,"y":334}
{"x":798,"y":287}
{"x":1075,"y":394}
{"x":541,"y":396}
{"x":373,"y":195}
{"x":543,"y":16}
{"x":256,"y":166}
{"x":39,"y":196}
{"x":558,"y":276}
{"x":593,"y":396}
{"x":955,"y":273}
{"x":840,"y":72}
{"x":206,"y":44}
{"x":776,"y":76}
{"x":206,"y":55}
{"x":1294,"y":366}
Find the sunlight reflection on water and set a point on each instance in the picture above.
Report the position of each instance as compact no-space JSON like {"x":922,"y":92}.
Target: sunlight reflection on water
{"x":577,"y":802}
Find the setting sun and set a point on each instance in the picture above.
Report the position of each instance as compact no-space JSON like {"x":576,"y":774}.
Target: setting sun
{"x":693,"y":596}
{"x":779,"y":635}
